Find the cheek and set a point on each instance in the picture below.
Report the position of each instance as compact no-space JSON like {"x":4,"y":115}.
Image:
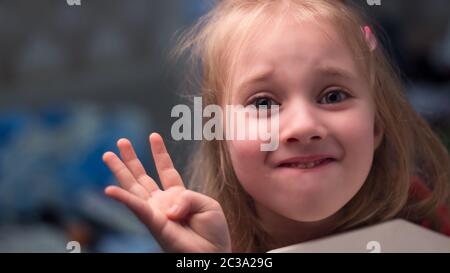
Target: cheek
{"x":358,"y":132}
{"x":245,"y":156}
{"x":249,"y":165}
{"x":355,"y":134}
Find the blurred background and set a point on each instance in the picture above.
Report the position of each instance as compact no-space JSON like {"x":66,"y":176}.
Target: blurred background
{"x":74,"y":79}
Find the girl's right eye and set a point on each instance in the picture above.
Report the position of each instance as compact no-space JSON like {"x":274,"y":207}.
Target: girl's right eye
{"x":265,"y":102}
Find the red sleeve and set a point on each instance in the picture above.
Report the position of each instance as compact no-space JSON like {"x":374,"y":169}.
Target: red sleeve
{"x":420,"y":191}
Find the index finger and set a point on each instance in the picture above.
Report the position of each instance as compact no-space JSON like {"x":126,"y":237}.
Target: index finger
{"x":168,"y":175}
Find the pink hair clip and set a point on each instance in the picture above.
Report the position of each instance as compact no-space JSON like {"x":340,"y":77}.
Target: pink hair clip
{"x":370,"y":37}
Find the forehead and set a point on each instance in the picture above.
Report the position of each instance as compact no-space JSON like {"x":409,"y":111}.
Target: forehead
{"x":293,"y":44}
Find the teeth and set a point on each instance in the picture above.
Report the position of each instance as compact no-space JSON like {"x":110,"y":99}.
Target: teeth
{"x":306,"y":165}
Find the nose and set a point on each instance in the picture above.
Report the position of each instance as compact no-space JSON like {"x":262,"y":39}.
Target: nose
{"x":302,"y":123}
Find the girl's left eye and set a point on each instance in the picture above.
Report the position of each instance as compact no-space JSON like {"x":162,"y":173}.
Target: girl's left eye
{"x":334,"y":96}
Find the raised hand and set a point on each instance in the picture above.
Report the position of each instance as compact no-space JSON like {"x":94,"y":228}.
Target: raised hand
{"x":181,"y":220}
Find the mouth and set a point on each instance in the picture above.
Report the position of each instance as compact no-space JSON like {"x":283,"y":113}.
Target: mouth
{"x":307,"y":164}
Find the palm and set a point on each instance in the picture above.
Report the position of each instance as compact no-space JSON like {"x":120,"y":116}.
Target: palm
{"x":198,"y":225}
{"x":195,"y":233}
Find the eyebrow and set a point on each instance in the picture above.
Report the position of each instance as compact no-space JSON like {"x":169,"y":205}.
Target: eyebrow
{"x":335,"y":72}
{"x":259,"y":76}
{"x":325,"y":70}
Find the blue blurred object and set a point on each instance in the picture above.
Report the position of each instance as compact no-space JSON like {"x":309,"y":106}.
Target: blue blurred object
{"x":50,"y":154}
{"x":52,"y":157}
{"x":11,"y":123}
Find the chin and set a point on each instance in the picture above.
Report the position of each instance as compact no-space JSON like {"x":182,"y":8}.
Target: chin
{"x":313,"y":215}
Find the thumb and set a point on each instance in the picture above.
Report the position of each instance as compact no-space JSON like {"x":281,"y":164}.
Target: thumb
{"x":190,"y":202}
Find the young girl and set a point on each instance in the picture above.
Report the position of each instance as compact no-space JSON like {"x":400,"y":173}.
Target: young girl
{"x":352,"y":152}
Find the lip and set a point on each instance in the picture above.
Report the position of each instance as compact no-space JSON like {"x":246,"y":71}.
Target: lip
{"x":305,"y":159}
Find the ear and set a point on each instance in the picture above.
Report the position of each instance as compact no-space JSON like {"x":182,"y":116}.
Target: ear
{"x":378,"y":135}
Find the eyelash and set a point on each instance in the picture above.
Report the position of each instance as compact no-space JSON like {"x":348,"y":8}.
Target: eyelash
{"x":252,"y":101}
{"x":338,"y":90}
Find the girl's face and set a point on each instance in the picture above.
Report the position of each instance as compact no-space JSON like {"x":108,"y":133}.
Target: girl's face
{"x":327,"y":134}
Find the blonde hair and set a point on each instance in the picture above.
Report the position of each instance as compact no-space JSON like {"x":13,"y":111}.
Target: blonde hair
{"x":409,"y":147}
